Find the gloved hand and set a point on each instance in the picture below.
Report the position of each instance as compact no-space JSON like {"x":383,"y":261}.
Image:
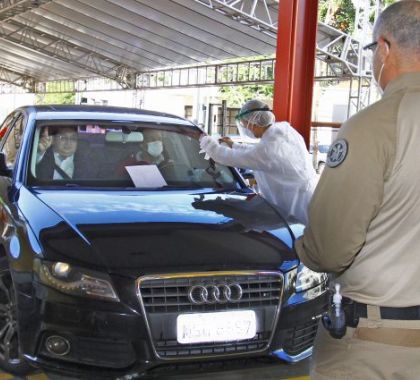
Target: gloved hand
{"x":207,"y":143}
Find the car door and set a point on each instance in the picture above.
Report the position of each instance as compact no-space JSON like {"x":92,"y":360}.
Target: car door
{"x":9,"y":152}
{"x":14,"y":125}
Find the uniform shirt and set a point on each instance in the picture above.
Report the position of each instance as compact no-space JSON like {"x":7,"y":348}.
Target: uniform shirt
{"x":282,"y":167}
{"x":364,"y":218}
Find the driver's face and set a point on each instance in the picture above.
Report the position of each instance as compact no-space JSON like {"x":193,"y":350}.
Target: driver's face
{"x":65,"y":142}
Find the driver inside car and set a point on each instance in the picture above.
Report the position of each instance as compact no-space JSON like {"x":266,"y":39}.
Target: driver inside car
{"x":60,"y":157}
{"x":150,"y":152}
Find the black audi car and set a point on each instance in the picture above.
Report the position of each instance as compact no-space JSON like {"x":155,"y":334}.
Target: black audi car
{"x":124,"y":250}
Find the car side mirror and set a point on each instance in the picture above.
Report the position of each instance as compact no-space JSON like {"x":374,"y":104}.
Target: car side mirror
{"x":4,"y":170}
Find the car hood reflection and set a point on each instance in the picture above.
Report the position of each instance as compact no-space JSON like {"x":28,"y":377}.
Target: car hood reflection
{"x":129,"y":232}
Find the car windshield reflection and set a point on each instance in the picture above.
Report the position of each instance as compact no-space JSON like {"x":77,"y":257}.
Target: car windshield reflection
{"x":140,"y":156}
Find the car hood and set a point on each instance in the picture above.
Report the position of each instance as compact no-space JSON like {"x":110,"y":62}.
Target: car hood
{"x":131,"y":232}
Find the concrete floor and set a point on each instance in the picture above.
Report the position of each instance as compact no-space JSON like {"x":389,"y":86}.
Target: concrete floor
{"x":279,"y":371}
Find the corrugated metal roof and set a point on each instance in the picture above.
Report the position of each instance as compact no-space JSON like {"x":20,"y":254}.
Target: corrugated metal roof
{"x":70,"y":39}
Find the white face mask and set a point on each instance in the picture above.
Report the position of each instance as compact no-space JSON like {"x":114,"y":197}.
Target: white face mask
{"x":155,"y":148}
{"x":378,"y":81}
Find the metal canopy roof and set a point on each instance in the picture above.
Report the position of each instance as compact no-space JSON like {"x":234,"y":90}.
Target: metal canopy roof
{"x":71,"y":39}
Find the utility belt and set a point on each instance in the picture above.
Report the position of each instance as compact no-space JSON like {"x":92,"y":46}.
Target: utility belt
{"x":397,"y":326}
{"x":356,"y":310}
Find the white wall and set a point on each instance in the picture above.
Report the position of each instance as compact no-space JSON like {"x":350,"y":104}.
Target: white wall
{"x":172,"y":101}
{"x":114,"y":98}
{"x":8,"y":102}
{"x":331,"y":103}
{"x":168,"y":101}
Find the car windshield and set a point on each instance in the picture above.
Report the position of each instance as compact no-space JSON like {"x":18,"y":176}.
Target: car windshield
{"x":130,"y":155}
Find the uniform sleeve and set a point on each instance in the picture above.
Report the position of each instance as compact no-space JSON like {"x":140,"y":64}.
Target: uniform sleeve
{"x":346,"y":199}
{"x":254,"y":157}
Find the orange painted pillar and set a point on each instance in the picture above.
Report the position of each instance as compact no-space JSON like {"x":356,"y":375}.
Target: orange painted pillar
{"x":295,"y":63}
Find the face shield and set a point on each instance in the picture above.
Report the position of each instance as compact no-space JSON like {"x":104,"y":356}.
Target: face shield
{"x":244,"y":132}
{"x":261,"y":117}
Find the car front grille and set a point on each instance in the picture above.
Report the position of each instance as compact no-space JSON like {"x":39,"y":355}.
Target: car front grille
{"x":171,"y":295}
{"x":163,"y":298}
{"x":300,"y":337}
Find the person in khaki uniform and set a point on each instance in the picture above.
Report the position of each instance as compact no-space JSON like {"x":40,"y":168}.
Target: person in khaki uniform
{"x":364,"y":217}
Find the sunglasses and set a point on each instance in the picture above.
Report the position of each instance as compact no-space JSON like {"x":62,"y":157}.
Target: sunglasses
{"x":372,"y":45}
{"x":67,"y":139}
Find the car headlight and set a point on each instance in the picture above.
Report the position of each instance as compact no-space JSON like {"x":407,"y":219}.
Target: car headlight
{"x":307,"y":279}
{"x":75,"y":281}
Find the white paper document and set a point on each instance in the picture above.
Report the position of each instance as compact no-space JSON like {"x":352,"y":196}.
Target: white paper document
{"x":146,"y":176}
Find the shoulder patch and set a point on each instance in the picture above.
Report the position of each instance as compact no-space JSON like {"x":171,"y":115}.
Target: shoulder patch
{"x":337,"y":153}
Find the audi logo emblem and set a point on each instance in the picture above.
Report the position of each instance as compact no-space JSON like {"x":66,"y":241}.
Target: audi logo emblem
{"x":211,"y":294}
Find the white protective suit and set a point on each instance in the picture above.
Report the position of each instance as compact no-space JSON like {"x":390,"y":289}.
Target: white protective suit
{"x":281,"y":163}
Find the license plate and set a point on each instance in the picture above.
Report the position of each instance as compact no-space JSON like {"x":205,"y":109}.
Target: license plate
{"x":216,"y":327}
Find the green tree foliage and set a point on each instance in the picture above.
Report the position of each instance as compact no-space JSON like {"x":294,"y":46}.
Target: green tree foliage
{"x":66,"y":98}
{"x":388,"y":2}
{"x":338,"y":13}
{"x":236,"y":96}
{"x":341,"y":14}
{"x":261,"y":69}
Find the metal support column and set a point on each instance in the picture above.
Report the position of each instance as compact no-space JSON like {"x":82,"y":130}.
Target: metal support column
{"x":295,"y":61}
{"x":359,"y":94}
{"x":224,"y":118}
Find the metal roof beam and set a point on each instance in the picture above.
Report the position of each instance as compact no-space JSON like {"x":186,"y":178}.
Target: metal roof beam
{"x":342,"y":51}
{"x":338,"y":49}
{"x":60,"y":49}
{"x":17,"y":79}
{"x":233,"y":73}
{"x":11,"y":8}
{"x":257,"y":14}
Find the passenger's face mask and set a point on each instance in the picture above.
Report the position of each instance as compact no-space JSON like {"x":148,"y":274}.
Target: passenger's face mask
{"x":155,"y":148}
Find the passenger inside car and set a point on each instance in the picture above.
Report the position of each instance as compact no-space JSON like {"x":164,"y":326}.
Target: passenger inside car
{"x":59,"y":155}
{"x":150,"y":151}
{"x":123,"y":156}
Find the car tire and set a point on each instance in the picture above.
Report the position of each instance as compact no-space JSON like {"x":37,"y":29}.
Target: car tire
{"x":321,"y":167}
{"x":11,"y":359}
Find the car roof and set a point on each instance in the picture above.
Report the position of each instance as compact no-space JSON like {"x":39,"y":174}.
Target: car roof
{"x":90,"y":112}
